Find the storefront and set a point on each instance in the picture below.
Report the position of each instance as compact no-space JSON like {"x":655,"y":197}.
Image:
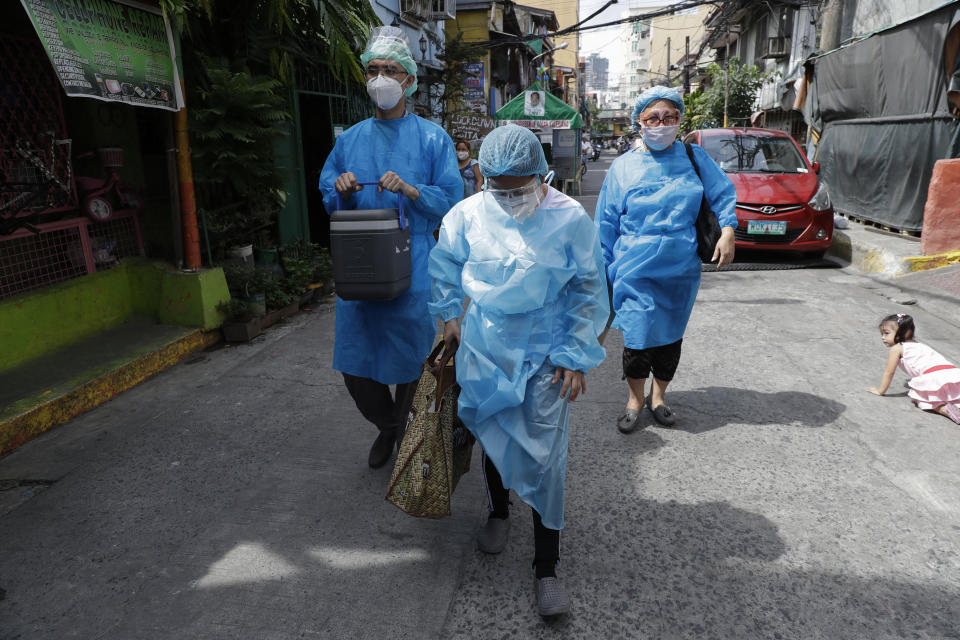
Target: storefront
{"x":88,"y":180}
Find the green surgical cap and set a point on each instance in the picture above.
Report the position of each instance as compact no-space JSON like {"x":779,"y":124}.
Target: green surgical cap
{"x":391,"y":43}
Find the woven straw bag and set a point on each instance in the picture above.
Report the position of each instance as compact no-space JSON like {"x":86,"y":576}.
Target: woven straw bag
{"x":436,"y":446}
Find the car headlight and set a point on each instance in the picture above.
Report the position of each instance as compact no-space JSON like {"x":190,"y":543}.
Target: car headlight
{"x":820,"y":200}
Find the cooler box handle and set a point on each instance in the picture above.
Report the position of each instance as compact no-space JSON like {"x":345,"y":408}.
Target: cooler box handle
{"x":403,"y":218}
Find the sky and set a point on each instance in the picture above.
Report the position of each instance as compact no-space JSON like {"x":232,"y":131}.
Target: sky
{"x":606,"y":42}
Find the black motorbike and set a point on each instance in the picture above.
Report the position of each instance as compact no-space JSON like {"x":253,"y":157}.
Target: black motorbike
{"x":596,"y":153}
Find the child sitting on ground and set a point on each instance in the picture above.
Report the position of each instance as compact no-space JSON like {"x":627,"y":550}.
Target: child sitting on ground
{"x":934,"y":382}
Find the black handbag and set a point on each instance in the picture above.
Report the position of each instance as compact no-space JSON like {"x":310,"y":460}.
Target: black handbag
{"x":708,"y":226}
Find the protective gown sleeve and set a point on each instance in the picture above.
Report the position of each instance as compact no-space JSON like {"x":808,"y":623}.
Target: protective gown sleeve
{"x":446,"y":185}
{"x":608,"y":213}
{"x":445,"y":268}
{"x":587,"y":307}
{"x":332,"y":168}
{"x":720,"y":192}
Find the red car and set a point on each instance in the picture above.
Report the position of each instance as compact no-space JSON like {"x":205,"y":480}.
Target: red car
{"x":781,"y":204}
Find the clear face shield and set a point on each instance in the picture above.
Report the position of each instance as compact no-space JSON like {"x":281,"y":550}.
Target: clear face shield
{"x":519,"y":202}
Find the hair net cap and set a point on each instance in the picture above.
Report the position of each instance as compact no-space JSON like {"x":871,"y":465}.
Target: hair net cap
{"x":652,"y":95}
{"x":391,"y":43}
{"x":512,"y":150}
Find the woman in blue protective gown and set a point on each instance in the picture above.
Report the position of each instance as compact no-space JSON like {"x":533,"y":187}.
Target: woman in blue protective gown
{"x":645,"y":218}
{"x":384,"y":343}
{"x":529,"y":260}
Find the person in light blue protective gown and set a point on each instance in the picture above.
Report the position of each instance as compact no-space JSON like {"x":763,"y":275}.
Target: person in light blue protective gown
{"x":529,"y":259}
{"x":383,"y":343}
{"x":645,"y":216}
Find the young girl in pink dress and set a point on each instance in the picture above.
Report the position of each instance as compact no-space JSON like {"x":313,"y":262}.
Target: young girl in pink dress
{"x":934,"y":382}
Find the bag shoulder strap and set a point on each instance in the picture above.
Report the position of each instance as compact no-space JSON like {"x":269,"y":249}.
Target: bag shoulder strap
{"x":689,"y":149}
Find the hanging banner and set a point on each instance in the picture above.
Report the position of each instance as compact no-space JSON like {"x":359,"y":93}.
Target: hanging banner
{"x":473,"y":87}
{"x":109,"y":50}
{"x":538,"y":124}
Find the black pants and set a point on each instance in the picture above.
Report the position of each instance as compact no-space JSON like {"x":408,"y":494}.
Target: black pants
{"x":374,"y":401}
{"x":663,"y":361}
{"x":546,"y":542}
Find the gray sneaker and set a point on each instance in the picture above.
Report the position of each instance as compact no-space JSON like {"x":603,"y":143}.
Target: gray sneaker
{"x":493,"y":536}
{"x":552,"y":600}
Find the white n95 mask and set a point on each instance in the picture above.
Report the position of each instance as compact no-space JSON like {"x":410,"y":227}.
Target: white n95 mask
{"x":385,"y":92}
{"x":659,"y":138}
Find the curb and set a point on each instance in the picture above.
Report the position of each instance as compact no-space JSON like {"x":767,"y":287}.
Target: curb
{"x":36,"y":420}
{"x":883,"y":254}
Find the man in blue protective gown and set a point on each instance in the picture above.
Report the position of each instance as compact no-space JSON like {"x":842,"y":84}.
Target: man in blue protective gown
{"x":529,"y":259}
{"x":385,"y":343}
{"x":645,"y":216}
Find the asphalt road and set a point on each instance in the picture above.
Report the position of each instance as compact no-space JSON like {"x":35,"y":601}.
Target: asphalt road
{"x":229,"y":497}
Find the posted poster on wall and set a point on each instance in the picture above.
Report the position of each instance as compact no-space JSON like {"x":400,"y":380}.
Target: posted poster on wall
{"x":473,"y":87}
{"x":109,"y":50}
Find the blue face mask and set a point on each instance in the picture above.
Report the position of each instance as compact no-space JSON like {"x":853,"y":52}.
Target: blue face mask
{"x":659,"y":138}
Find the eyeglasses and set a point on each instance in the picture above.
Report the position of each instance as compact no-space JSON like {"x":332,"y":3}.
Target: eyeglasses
{"x":656,"y":119}
{"x":390,"y":72}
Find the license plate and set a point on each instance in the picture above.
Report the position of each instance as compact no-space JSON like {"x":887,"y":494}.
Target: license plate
{"x":767,"y":227}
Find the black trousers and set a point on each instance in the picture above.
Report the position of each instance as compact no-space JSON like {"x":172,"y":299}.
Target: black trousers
{"x":662,"y":360}
{"x":373,"y":399}
{"x":546,"y":542}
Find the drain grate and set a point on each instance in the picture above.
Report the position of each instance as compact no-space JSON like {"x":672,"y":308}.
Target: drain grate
{"x":771,"y":266}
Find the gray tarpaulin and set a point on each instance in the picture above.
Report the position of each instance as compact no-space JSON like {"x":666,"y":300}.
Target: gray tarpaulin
{"x":881,"y":106}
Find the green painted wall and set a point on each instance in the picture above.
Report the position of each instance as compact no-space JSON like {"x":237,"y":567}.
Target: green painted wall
{"x":39,"y":322}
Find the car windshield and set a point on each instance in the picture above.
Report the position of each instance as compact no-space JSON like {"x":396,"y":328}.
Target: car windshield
{"x":745,"y":152}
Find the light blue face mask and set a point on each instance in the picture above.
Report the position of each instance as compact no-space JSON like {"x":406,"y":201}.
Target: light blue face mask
{"x":659,"y":138}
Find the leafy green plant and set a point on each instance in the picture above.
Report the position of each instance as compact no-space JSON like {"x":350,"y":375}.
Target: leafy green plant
{"x":305,"y":263}
{"x":739,"y":82}
{"x":236,"y":309}
{"x":447,"y":93}
{"x":271,"y":36}
{"x":235,"y":121}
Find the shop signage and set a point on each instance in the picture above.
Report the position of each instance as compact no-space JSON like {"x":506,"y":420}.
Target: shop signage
{"x":538,"y":124}
{"x":109,"y":50}
{"x":470,"y":126}
{"x":473,"y":87}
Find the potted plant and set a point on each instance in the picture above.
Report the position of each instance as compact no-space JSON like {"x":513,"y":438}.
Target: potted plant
{"x":242,"y":324}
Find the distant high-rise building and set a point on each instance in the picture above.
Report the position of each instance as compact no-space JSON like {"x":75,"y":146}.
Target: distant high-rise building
{"x":597,"y":72}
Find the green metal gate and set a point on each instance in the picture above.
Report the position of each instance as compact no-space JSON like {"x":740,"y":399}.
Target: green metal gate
{"x":299,"y":155}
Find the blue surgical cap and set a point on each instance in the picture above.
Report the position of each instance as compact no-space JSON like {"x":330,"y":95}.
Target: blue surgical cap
{"x":391,"y":43}
{"x":653,"y":94}
{"x":512,"y":150}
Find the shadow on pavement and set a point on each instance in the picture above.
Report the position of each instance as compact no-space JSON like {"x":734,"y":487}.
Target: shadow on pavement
{"x":702,"y":410}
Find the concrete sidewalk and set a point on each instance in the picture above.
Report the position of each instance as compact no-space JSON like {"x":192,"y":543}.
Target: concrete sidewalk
{"x":898,"y":270}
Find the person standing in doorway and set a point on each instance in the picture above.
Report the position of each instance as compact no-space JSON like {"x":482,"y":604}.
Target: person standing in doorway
{"x":382,"y":343}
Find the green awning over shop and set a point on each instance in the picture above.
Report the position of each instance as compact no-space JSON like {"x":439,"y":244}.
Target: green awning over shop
{"x":535,"y":108}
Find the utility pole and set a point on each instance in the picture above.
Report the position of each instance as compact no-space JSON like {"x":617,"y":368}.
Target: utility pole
{"x":726,"y":72}
{"x":668,"y":61}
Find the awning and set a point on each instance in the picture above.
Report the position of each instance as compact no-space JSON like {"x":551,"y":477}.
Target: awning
{"x":535,"y":108}
{"x":109,"y":50}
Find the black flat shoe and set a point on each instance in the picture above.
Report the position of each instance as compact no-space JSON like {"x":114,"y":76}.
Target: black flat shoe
{"x":662,"y":414}
{"x":629,"y":421}
{"x":381,"y":449}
